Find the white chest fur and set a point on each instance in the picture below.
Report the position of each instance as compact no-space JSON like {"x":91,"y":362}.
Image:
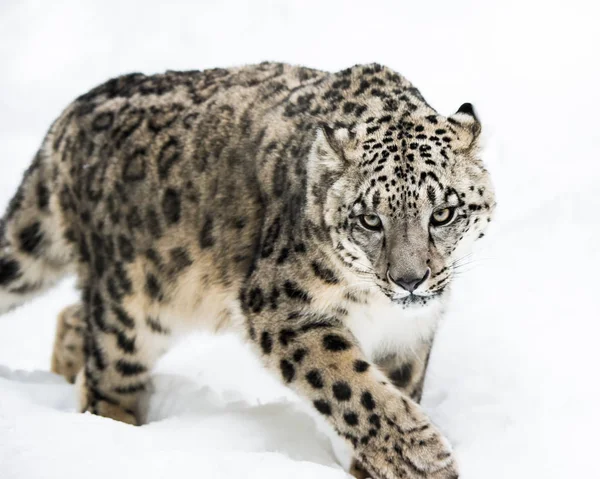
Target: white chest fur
{"x":382,"y":327}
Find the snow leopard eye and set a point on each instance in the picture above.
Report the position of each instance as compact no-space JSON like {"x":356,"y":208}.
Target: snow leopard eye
{"x":443,"y":217}
{"x":370,"y":222}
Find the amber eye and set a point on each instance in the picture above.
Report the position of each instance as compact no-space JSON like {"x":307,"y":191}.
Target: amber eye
{"x":370,"y":222}
{"x":443,"y":217}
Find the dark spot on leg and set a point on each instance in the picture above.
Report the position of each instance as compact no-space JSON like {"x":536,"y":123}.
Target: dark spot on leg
{"x":314,"y":379}
{"x":266,"y":342}
{"x":155,"y":257}
{"x":124,"y":343}
{"x":122,"y":279}
{"x":123,"y":317}
{"x":129,"y":368}
{"x":367,"y":401}
{"x":287,"y":370}
{"x":97,"y":253}
{"x":130,"y":389}
{"x":360,"y":366}
{"x":375,"y":421}
{"x":286,"y":335}
{"x":283,"y":255}
{"x":156,"y":327}
{"x":97,"y":309}
{"x":341,"y":391}
{"x":323,"y":407}
{"x":92,"y":350}
{"x":299,"y":355}
{"x":153,"y":288}
{"x":273,"y":298}
{"x":351,"y":418}
{"x":334,"y":342}
{"x":113,"y":290}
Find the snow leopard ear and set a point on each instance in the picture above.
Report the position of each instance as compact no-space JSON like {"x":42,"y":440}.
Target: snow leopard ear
{"x":330,"y":147}
{"x":328,"y":160}
{"x":466,"y":119}
{"x":338,"y":139}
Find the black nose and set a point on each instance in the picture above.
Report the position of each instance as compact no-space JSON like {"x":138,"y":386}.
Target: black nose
{"x":410,"y":283}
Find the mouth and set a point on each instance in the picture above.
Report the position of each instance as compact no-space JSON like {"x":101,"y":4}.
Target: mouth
{"x":414,"y":300}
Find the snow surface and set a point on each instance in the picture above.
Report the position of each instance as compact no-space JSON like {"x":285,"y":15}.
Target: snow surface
{"x":513,"y":379}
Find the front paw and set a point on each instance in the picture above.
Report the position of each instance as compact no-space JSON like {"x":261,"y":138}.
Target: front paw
{"x":425,"y":450}
{"x":407,"y":445}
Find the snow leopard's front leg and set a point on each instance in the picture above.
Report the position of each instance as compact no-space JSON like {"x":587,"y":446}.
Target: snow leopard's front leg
{"x":405,"y":370}
{"x":318,"y":357}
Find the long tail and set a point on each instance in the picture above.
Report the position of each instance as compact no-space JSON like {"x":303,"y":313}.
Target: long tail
{"x":34,"y":253}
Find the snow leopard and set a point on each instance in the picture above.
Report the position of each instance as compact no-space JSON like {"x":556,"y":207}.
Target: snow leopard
{"x":319,"y":216}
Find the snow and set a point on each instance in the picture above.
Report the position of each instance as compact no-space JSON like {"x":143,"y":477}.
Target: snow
{"x":513,"y":378}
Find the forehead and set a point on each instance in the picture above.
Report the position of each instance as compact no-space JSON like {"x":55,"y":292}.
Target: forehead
{"x":406,"y":162}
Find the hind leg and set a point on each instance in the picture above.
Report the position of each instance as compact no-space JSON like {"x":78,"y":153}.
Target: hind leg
{"x":122,"y":344}
{"x":68,"y":353}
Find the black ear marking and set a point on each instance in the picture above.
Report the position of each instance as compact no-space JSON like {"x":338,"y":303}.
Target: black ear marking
{"x":467,"y":108}
{"x":466,"y":117}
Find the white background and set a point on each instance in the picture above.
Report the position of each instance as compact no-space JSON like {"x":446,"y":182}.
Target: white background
{"x":513,"y":380}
